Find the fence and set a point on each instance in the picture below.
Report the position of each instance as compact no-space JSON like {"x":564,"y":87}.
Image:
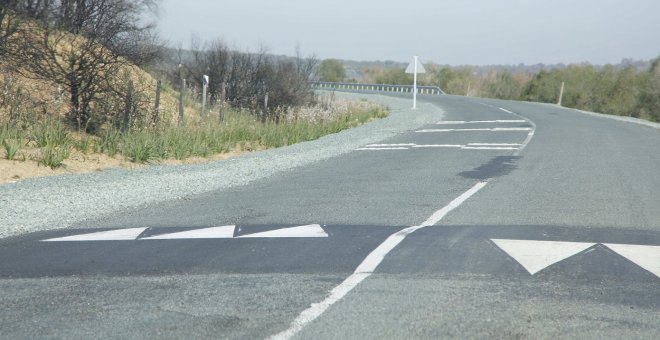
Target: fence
{"x":376,"y":88}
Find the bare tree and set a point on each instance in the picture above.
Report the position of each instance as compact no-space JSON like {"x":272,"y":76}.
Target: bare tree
{"x":81,"y":48}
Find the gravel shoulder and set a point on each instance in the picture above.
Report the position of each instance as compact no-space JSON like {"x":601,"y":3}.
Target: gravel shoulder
{"x":60,"y":201}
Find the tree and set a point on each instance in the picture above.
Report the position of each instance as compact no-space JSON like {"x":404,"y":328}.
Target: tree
{"x":331,"y":70}
{"x":648,"y":104}
{"x":394,"y":76}
{"x":81,"y":45}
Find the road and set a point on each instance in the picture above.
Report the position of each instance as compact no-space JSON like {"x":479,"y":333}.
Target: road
{"x":504,"y":220}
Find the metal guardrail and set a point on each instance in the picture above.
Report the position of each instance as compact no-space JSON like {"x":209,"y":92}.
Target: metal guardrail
{"x":376,"y":88}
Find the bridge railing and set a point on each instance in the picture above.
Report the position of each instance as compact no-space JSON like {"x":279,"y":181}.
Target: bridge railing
{"x":376,"y":88}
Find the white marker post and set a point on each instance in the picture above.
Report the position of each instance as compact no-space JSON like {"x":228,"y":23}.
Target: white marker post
{"x":415,"y":85}
{"x":414,"y":68}
{"x":205,"y":84}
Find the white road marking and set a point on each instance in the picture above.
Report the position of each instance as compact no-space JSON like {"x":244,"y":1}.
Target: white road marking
{"x":458,"y":122}
{"x":470,"y":146}
{"x":647,"y":257}
{"x":311,"y":230}
{"x":505,"y":110}
{"x":494,"y":144}
{"x":226,"y":231}
{"x":366,"y":268}
{"x":390,"y":145}
{"x":438,"y":146}
{"x":489,"y":148}
{"x":535,"y":256}
{"x":110,"y":235}
{"x":472,"y":130}
{"x":222,"y":232}
{"x":370,"y":149}
{"x":513,"y":129}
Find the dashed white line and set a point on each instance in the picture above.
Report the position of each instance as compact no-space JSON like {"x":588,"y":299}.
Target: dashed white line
{"x":505,"y":110}
{"x":391,"y":145}
{"x":368,"y":265}
{"x":489,"y":148}
{"x":470,"y":146}
{"x":370,"y":149}
{"x":438,"y":146}
{"x":494,"y":144}
{"x":458,"y":122}
{"x":471,"y":130}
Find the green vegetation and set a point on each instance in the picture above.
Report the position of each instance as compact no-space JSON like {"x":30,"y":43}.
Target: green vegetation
{"x":612,"y":89}
{"x":51,"y":144}
{"x":616,"y":90}
{"x":331,"y":70}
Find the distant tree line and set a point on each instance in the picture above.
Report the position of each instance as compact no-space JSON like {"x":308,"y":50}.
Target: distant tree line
{"x":618,"y":90}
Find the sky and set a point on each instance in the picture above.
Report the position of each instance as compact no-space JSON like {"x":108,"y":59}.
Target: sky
{"x":454,"y":32}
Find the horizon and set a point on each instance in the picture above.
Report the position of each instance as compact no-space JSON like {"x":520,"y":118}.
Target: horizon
{"x":476,"y":32}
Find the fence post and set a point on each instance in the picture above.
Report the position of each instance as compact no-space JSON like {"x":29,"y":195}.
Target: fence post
{"x":128,"y":108}
{"x":266,"y":103}
{"x":223,"y":94}
{"x":154,"y":116}
{"x":561,"y":93}
{"x":182,"y":91}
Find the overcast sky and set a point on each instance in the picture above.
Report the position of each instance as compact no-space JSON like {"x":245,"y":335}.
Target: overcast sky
{"x":452,"y":32}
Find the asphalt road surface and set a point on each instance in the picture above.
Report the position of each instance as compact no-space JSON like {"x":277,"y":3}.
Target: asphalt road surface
{"x":505,"y":220}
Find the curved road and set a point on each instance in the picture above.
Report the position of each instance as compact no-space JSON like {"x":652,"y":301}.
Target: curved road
{"x":504,"y":220}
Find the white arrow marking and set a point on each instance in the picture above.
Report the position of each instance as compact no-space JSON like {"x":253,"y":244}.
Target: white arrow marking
{"x":647,"y":257}
{"x":534,"y":256}
{"x":111,"y":235}
{"x":311,"y":230}
{"x":226,"y":231}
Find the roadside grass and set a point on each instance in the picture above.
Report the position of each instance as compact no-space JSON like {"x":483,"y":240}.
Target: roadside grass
{"x":49,"y":143}
{"x":12,"y":139}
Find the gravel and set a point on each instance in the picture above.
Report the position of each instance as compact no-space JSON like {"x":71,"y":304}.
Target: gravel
{"x":61,"y":201}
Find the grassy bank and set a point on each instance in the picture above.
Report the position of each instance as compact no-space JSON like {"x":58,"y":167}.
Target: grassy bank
{"x":50,"y":143}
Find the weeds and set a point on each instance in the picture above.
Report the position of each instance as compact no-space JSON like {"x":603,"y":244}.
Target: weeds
{"x":138,"y":147}
{"x":51,"y":133}
{"x":53,"y":156}
{"x":239,"y":131}
{"x":12,"y":146}
{"x":83,"y":144}
{"x":12,"y":140}
{"x":109,"y":142}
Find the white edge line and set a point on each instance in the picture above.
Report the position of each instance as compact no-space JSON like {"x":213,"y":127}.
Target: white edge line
{"x":367,"y":149}
{"x":438,"y":146}
{"x":493,"y":144}
{"x":459,"y":122}
{"x":489,"y":148}
{"x":368,"y":265}
{"x":530,"y":135}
